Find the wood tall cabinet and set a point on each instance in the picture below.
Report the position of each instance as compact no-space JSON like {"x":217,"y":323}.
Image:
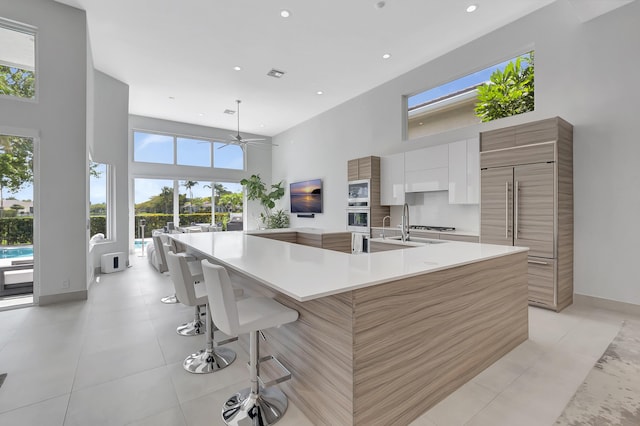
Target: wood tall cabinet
{"x":369,"y":168}
{"x":526,"y":199}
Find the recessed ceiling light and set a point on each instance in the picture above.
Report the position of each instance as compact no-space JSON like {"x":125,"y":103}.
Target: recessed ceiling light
{"x":420,"y":123}
{"x":200,"y":114}
{"x":386,"y":56}
{"x":380,"y":5}
{"x":472,"y":8}
{"x":237,"y":68}
{"x":171,"y":98}
{"x":229,"y":111}
{"x":319,"y":92}
{"x":285,"y":13}
{"x":261,"y":124}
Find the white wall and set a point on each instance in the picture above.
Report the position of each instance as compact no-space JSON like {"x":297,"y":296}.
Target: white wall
{"x":258,"y":161}
{"x":59,"y":117}
{"x":585,"y":73}
{"x":110,"y":145}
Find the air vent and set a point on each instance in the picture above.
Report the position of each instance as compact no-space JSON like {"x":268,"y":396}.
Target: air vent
{"x":229,"y":111}
{"x":275,"y":73}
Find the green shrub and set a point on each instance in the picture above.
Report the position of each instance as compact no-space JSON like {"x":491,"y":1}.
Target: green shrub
{"x":16,"y":230}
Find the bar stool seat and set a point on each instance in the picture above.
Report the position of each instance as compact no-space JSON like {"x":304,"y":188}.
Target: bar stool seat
{"x":256,"y":405}
{"x":211,"y":358}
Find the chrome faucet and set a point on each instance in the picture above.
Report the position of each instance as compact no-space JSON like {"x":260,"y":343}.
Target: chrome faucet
{"x":383,"y":219}
{"x":405,"y":222}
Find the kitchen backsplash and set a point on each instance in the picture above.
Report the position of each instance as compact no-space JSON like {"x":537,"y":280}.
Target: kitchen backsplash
{"x":433,"y":208}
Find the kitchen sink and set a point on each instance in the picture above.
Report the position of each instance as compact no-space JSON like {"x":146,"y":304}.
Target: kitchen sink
{"x":417,"y":240}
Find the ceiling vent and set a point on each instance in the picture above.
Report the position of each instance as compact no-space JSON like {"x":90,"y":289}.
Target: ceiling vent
{"x":229,"y":111}
{"x":275,"y":73}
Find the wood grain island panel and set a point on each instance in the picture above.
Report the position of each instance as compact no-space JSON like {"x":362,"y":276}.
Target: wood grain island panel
{"x":386,"y":354}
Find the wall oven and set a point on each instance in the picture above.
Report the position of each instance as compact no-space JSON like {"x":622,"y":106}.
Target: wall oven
{"x":358,"y":193}
{"x":358,"y":220}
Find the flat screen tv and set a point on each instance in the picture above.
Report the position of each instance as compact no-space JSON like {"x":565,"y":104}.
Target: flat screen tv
{"x":306,"y":197}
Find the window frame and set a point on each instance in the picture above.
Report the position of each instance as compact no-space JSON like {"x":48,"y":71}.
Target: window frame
{"x":405,"y":98}
{"x":176,"y":136}
{"x":31,"y":30}
{"x":109,"y":201}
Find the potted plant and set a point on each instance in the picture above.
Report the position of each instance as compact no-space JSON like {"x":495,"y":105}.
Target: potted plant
{"x":257,"y":190}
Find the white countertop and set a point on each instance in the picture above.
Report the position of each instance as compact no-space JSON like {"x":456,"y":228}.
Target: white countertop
{"x":307,"y":273}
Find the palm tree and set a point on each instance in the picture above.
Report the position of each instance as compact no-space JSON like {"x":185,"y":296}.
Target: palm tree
{"x":166,"y":193}
{"x":189,"y":184}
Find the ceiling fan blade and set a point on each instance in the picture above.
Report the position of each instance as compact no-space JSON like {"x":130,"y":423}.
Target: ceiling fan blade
{"x":253,"y":140}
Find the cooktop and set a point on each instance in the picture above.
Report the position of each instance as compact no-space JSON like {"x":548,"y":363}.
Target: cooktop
{"x":432,"y":228}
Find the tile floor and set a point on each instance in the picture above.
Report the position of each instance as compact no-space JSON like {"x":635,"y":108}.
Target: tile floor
{"x":116,"y":360}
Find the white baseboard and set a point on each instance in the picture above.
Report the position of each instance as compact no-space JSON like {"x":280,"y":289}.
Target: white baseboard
{"x":612,"y":305}
{"x":62,"y":297}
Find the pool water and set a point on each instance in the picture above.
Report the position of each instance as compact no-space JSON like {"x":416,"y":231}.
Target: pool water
{"x":27,"y":251}
{"x":11,"y":252}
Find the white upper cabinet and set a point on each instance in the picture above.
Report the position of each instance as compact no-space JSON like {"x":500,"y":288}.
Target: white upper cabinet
{"x":427,"y":169}
{"x":464,"y":171}
{"x":392,"y":180}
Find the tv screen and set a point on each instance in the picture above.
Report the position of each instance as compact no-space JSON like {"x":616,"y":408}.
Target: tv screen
{"x":306,"y":197}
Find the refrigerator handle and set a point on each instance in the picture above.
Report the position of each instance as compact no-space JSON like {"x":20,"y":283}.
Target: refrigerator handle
{"x":506,"y":210}
{"x":515,"y":230}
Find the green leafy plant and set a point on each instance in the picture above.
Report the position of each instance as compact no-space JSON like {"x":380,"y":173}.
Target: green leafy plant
{"x":257,"y":190}
{"x":509,"y":91}
{"x":278,"y":219}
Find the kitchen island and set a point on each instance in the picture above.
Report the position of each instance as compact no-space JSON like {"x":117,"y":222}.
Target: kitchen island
{"x":381,"y":337}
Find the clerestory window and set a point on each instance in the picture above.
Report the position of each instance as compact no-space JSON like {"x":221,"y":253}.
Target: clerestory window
{"x":17,"y":60}
{"x":502,"y":90}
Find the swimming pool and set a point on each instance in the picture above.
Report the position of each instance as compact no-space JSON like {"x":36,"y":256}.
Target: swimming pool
{"x":11,"y":252}
{"x":27,"y":251}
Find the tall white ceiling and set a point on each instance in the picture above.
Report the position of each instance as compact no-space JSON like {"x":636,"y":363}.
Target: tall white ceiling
{"x":186,"y":50}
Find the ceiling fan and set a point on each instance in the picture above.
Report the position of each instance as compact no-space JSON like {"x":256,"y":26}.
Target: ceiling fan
{"x":237,"y":139}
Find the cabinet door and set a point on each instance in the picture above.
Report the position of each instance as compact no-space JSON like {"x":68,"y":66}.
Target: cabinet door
{"x":433,"y":157}
{"x":496,"y":203}
{"x":542,"y":279}
{"x":458,"y":172}
{"x":473,"y":171}
{"x":534,"y":208}
{"x":392,"y":180}
{"x":365,"y":168}
{"x":352,"y":169}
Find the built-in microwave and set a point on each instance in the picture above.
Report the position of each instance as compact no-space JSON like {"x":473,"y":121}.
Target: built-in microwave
{"x":358,"y":220}
{"x":358,"y":193}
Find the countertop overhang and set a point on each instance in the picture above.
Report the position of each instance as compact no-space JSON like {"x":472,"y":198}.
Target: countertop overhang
{"x":306,"y":273}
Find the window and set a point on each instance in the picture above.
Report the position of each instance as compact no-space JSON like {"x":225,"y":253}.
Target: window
{"x":99,"y":199}
{"x":159,"y":149}
{"x":152,"y":148}
{"x":228,"y":156}
{"x":495,"y":92}
{"x":17,"y":60}
{"x":193,"y":152}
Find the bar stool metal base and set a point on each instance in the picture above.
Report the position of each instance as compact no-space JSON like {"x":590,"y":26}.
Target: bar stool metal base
{"x":169,"y":299}
{"x":247,"y":409}
{"x":191,"y":328}
{"x":208,"y":361}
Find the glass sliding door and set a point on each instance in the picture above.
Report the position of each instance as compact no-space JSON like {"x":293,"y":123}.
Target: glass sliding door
{"x":16,"y":218}
{"x":153,"y":202}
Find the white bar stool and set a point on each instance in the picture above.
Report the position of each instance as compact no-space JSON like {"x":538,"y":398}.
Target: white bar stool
{"x":256,"y":405}
{"x":196,"y":326}
{"x":211,"y":358}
